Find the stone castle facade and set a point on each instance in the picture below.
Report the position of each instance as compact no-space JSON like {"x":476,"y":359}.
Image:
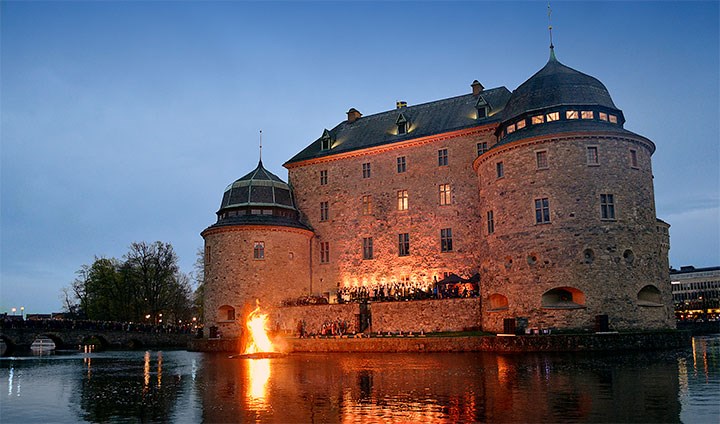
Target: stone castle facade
{"x":541,"y":191}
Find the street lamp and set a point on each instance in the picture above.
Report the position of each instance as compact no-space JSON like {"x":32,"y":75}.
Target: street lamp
{"x":22,"y":311}
{"x":13,"y":310}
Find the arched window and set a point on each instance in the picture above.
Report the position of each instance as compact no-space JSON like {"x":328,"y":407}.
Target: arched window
{"x":649,"y":296}
{"x":563,"y":298}
{"x":498,"y":302}
{"x":226,"y":313}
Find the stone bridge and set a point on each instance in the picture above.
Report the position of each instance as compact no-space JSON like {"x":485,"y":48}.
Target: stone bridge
{"x":19,"y":339}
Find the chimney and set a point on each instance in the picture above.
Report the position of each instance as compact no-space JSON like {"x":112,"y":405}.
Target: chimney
{"x":353,"y":115}
{"x":400,"y":104}
{"x":477,"y":88}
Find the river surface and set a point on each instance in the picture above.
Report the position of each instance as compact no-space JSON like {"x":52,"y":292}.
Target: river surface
{"x":188,"y":387}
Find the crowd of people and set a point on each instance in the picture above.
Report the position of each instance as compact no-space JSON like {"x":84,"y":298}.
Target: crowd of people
{"x":67,"y":325}
{"x":329,"y":328}
{"x":401,"y":291}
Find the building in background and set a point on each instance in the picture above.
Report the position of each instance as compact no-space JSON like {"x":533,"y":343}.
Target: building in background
{"x":696,"y":293}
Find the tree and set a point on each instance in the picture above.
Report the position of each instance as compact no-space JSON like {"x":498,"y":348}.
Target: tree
{"x":199,"y":277}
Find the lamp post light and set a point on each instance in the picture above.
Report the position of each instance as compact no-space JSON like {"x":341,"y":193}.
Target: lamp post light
{"x":13,"y":310}
{"x":22,"y":312}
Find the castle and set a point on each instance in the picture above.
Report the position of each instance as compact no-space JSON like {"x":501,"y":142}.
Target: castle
{"x":540,"y":193}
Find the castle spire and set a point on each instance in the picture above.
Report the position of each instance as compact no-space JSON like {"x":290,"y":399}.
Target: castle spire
{"x":552,"y":47}
{"x":261,"y":147}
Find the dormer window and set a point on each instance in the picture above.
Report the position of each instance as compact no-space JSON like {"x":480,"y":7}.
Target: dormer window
{"x":402,"y":124}
{"x":325,"y":141}
{"x":482,"y":108}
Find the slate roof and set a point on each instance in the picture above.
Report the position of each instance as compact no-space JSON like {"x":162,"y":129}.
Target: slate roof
{"x":280,"y":221}
{"x":259,"y":187}
{"x":554,"y":85}
{"x":425,"y":119}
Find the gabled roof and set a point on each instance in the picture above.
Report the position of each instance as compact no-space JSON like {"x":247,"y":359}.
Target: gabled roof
{"x":425,"y":119}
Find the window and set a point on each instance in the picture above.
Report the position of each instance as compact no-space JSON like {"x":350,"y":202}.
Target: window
{"x":442,"y":157}
{"x":324,"y":252}
{"x":403,"y":244}
{"x":538,"y":119}
{"x":481,"y":148}
{"x":552,"y":116}
{"x":510,"y":129}
{"x":607,"y":206}
{"x":445,"y":197}
{"x":587,"y":114}
{"x":325,"y":141}
{"x":367,"y":248}
{"x":633,"y":158}
{"x":521,"y":124}
{"x":324,"y":211}
{"x":366,"y":170}
{"x":571,"y":114}
{"x":542,"y":210}
{"x":490,"y":222}
{"x":603,"y":116}
{"x":401,"y":166}
{"x":446,"y":240}
{"x":259,"y":250}
{"x":613,"y":119}
{"x":500,"y":169}
{"x":541,"y":158}
{"x":226,"y":313}
{"x":402,"y":200}
{"x":323,"y":177}
{"x":592,"y":155}
{"x":367,"y":205}
{"x":481,"y":112}
{"x":402,"y":124}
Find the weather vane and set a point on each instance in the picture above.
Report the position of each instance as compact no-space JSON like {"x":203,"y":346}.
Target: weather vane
{"x":550,"y":26}
{"x":260,"y":145}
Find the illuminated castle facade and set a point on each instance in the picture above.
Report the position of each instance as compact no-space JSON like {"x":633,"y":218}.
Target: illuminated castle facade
{"x":541,"y":191}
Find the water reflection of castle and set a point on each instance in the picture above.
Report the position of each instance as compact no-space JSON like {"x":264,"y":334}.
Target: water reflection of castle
{"x":542,"y":192}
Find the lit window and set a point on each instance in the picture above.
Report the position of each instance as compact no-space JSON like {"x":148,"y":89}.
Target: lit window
{"x":553,"y":116}
{"x":592,"y":155}
{"x":490,"y":222}
{"x":367,"y":205}
{"x":446,"y":240}
{"x":367,"y":248}
{"x":538,"y":119}
{"x":442,"y":157}
{"x":520,"y":124}
{"x":403,"y":244}
{"x":500,"y":168}
{"x":259,"y":250}
{"x":445,"y":197}
{"x":323,"y":177}
{"x":366,"y":170}
{"x":402,"y":200}
{"x":541,"y":158}
{"x":542,"y":210}
{"x":510,"y":129}
{"x":401,"y":167}
{"x":324,"y":211}
{"x":324,"y":252}
{"x":587,"y":114}
{"x":633,"y":158}
{"x":613,"y":119}
{"x":571,"y":114}
{"x":603,"y":116}
{"x":607,"y":206}
{"x":481,"y":148}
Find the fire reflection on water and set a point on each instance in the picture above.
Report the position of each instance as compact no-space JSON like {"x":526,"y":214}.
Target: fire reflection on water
{"x":258,"y":371}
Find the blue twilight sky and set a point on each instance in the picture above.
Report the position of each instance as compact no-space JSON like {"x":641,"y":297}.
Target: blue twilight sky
{"x":124,"y":121}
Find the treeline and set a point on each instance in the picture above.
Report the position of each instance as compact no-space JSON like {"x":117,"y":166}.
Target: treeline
{"x":146,"y":286}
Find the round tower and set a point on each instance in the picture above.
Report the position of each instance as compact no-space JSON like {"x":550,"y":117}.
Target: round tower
{"x":257,"y":250}
{"x":570,"y":231}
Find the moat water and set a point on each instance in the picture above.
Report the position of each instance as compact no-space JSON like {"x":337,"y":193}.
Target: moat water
{"x":188,"y":387}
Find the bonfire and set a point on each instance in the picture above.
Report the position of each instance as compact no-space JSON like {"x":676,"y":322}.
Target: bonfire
{"x":258,"y":343}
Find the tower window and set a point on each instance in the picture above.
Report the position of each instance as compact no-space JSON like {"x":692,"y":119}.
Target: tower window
{"x":324,"y":211}
{"x":402,"y":200}
{"x":510,"y":129}
{"x":446,"y":240}
{"x":259,"y":250}
{"x":367,"y":248}
{"x":366,"y":170}
{"x":603,"y":116}
{"x":541,"y":158}
{"x":607,"y":206}
{"x":401,"y":165}
{"x":592,"y":155}
{"x":613,"y":119}
{"x":323,"y":177}
{"x":445,"y":195}
{"x":520,"y":124}
{"x":587,"y":114}
{"x":553,"y":116}
{"x":403,"y":244}
{"x":324,"y":252}
{"x":490,"y":222}
{"x":500,"y":169}
{"x":633,"y":158}
{"x":542,"y":210}
{"x":442,"y":157}
{"x":367,"y":205}
{"x":571,"y":114}
{"x":481,"y":148}
{"x":538,"y":119}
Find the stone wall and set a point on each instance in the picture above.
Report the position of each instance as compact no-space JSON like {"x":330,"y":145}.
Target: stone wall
{"x":233,"y":278}
{"x":346,"y":225}
{"x":604,"y":263}
{"x":426,"y":315}
{"x":286,"y":320}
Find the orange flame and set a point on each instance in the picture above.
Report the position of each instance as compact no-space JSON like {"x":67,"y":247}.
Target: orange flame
{"x":258,"y":340}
